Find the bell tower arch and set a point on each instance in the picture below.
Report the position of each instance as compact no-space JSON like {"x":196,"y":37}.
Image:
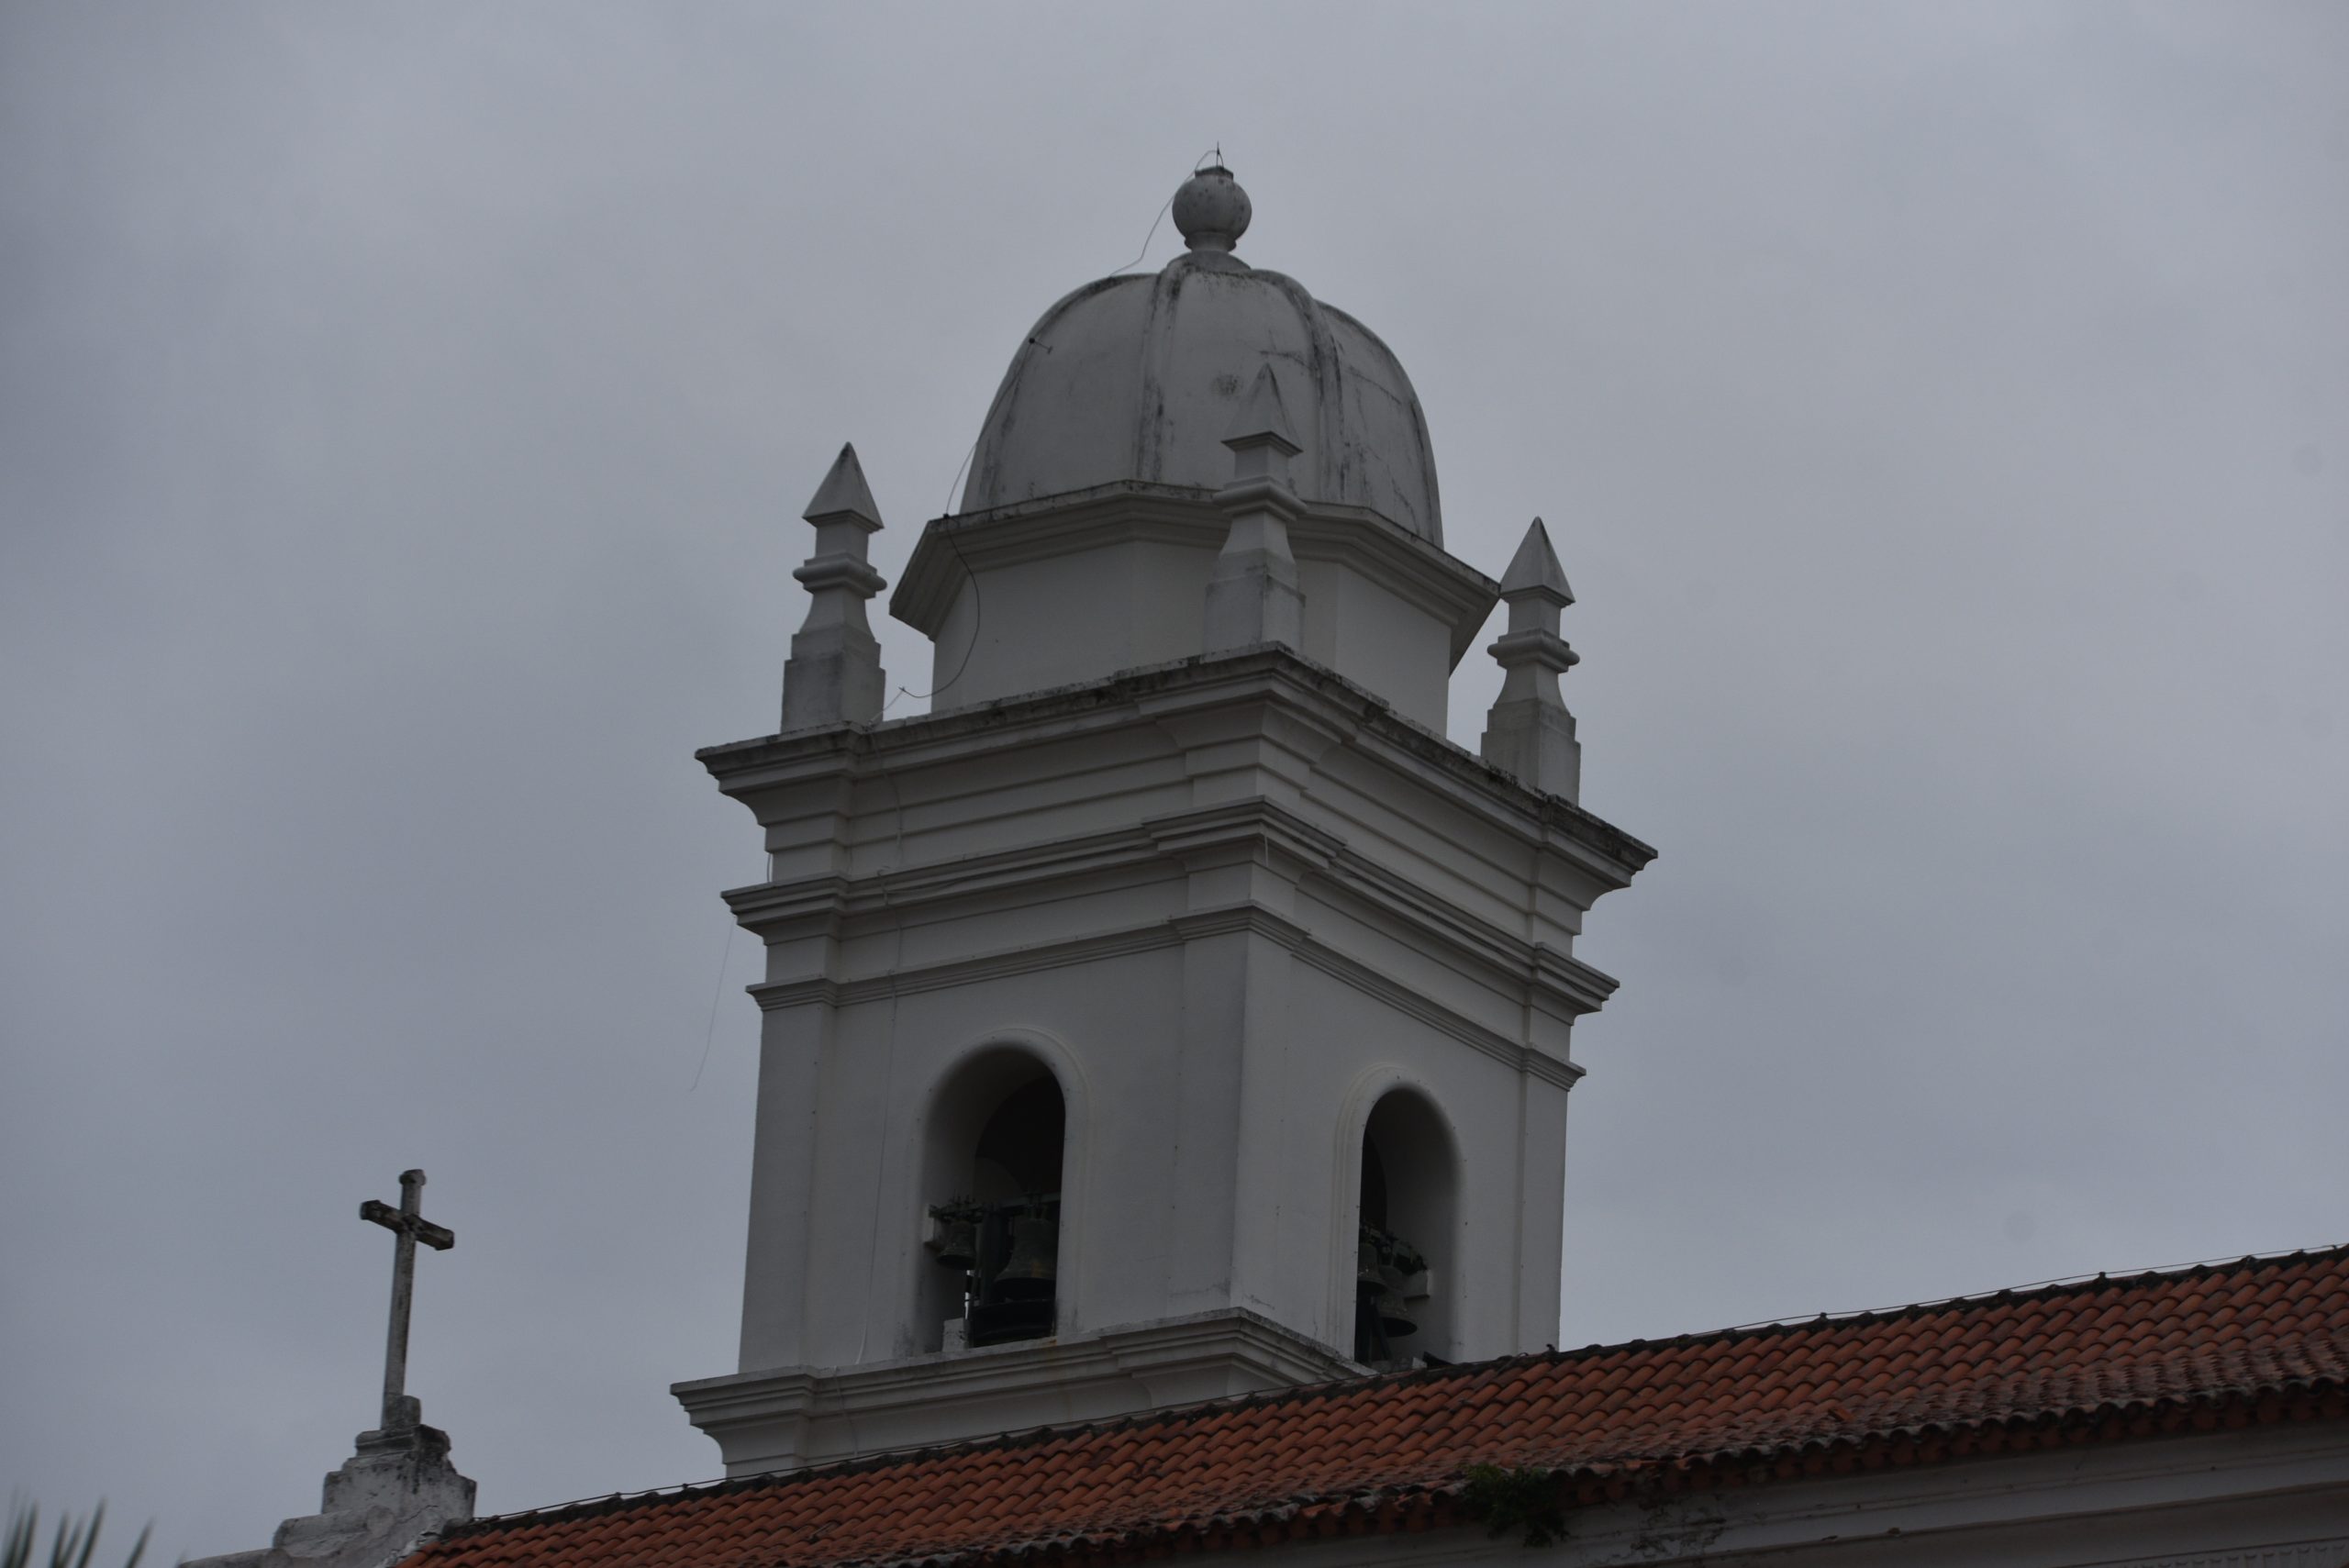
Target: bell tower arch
{"x":1410,"y":1264}
{"x":1073,"y":984}
{"x":995,"y":1190}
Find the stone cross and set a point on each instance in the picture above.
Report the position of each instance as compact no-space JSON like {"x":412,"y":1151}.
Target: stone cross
{"x":409,"y":1227}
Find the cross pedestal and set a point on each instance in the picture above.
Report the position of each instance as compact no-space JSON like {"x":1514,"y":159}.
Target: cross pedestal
{"x":398,"y":1487}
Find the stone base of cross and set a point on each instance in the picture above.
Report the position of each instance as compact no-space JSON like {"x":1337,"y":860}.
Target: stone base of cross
{"x":399,"y":1487}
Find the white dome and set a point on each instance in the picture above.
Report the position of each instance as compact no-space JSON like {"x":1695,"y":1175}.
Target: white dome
{"x":1137,"y":377}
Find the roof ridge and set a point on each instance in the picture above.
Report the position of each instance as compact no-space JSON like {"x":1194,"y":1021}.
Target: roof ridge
{"x":2035,"y":1290}
{"x":1168,"y":1416}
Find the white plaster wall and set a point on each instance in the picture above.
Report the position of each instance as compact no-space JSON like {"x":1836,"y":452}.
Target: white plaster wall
{"x":1066,"y":618}
{"x":1346,"y":1051}
{"x":1383,"y":642}
{"x":1215,"y":992}
{"x":2259,"y":1497}
{"x":1027,"y":620}
{"x":1216,"y":1092}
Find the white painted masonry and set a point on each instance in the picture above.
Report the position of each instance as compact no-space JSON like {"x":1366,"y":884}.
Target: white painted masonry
{"x":834,"y":673}
{"x":1227,"y":903}
{"x":1185,"y":834}
{"x":397,"y":1489}
{"x":1528,"y":732}
{"x":2268,"y":1496}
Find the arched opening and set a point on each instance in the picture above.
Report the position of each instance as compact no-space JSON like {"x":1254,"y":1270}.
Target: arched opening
{"x":997,"y":1138}
{"x":1019,"y":1154}
{"x":1407,"y":1244}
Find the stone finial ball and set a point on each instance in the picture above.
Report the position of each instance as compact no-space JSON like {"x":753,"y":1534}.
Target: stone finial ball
{"x":1212,"y":211}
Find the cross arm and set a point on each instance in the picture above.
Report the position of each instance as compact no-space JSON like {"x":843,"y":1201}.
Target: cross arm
{"x":438,"y":1237}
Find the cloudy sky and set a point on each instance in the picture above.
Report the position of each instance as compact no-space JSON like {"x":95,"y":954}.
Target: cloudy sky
{"x":405,"y":414}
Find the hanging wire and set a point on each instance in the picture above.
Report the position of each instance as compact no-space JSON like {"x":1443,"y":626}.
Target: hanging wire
{"x":978,"y":603}
{"x":725,"y":957}
{"x":1202,"y":162}
{"x":1146,"y":239}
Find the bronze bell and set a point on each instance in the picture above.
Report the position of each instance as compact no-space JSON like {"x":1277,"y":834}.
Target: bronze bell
{"x":1027,"y":1274}
{"x":958,"y":1242}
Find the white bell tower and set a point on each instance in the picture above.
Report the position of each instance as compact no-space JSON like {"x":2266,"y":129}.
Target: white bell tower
{"x":1173,"y":1012}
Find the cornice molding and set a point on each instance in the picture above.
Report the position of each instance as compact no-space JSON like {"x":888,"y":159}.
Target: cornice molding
{"x":1219,"y":832}
{"x":1258,"y":830}
{"x":914,"y":979}
{"x":1539,"y":977}
{"x":1246,"y":830}
{"x":815,"y":1413}
{"x":1397,"y":560}
{"x":1540,"y":822}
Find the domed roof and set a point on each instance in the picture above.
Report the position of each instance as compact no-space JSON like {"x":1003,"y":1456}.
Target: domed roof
{"x":1137,"y":377}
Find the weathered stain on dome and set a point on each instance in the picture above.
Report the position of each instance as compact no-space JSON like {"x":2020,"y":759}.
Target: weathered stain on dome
{"x":1136,"y":377}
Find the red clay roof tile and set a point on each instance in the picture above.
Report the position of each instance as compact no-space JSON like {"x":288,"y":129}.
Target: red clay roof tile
{"x":2263,"y":1339}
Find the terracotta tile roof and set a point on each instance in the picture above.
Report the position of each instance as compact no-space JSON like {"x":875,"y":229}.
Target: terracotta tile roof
{"x":2232,"y":1344}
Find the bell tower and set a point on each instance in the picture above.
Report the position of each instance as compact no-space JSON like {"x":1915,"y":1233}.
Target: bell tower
{"x":1172,"y":1012}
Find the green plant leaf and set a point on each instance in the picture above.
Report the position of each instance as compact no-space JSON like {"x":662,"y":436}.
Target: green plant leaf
{"x":1523,"y":1502}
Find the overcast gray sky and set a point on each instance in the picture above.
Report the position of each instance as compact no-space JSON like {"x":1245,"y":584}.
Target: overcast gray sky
{"x":405,"y":413}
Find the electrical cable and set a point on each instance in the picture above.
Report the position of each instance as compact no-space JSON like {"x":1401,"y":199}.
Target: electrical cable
{"x":1215,"y":153}
{"x":724,"y":958}
{"x":978,"y":601}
